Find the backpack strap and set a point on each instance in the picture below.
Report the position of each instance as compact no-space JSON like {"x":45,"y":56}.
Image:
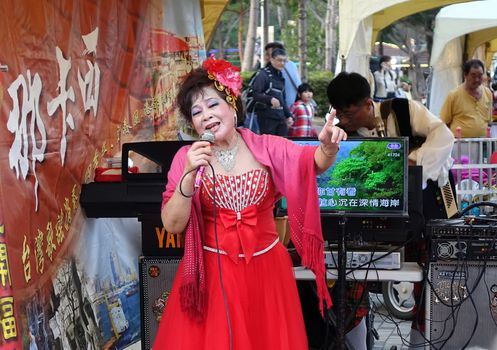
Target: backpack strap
{"x":291,"y":79}
{"x":385,"y":109}
{"x":399,"y":108}
{"x":270,"y":76}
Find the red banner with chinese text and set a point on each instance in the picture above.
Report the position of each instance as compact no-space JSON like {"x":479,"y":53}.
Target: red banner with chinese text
{"x":77,"y":79}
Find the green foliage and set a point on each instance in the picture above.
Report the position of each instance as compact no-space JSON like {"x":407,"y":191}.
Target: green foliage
{"x":245,"y":78}
{"x":315,"y":43}
{"x":319,"y":81}
{"x":400,"y":32}
{"x":380,"y":179}
{"x":374,"y":176}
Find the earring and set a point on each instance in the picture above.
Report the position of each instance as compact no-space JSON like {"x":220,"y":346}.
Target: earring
{"x":236,"y":120}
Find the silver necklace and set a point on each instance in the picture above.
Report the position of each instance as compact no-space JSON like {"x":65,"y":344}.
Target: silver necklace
{"x":227,"y":157}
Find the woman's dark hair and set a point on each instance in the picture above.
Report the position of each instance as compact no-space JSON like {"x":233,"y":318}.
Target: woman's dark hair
{"x":192,"y":86}
{"x":303,"y":88}
{"x":385,"y":58}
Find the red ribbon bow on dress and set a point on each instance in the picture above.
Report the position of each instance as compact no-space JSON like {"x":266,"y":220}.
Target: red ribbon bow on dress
{"x":239,"y":234}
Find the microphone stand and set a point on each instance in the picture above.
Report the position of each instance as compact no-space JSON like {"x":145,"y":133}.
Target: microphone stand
{"x":338,"y":312}
{"x":341,"y":279}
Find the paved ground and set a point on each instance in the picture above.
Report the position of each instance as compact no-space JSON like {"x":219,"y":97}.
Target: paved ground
{"x":391,"y":331}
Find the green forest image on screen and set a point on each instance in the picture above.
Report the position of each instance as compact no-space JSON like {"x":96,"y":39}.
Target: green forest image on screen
{"x":366,"y":177}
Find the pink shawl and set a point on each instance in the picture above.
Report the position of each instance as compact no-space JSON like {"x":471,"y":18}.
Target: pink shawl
{"x":291,"y":167}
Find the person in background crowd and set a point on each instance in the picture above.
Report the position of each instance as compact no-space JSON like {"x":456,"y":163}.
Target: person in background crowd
{"x":303,"y":111}
{"x":404,"y":91}
{"x":494,"y":99}
{"x":358,"y":114}
{"x":290,"y":73}
{"x":468,"y":107}
{"x":235,"y":287}
{"x":384,"y":80}
{"x":487,"y":79}
{"x":273,"y":115}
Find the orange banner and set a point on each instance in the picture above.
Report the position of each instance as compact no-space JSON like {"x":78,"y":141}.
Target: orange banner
{"x":77,"y":79}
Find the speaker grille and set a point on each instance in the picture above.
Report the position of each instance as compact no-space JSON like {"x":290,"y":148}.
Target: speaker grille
{"x":462,"y":301}
{"x":448,"y":199}
{"x":156,"y":280}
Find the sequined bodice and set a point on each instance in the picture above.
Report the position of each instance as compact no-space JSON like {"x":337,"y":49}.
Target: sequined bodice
{"x":244,"y":211}
{"x":236,"y":192}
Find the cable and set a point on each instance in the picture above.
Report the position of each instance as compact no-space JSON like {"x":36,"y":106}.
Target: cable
{"x":460,"y":279}
{"x":223,"y":290}
{"x":477,"y":204}
{"x":180,"y":185}
{"x":221,"y":282}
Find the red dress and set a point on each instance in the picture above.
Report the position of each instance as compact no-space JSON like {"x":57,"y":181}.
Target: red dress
{"x":261,"y":293}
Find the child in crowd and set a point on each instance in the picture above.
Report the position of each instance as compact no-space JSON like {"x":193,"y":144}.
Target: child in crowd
{"x":303,"y":111}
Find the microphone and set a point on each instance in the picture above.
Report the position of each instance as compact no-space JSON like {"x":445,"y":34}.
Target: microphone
{"x":206,"y":136}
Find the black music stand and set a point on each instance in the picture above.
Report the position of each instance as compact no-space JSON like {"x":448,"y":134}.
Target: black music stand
{"x":341,"y":264}
{"x":344,"y":218}
{"x":342,"y":270}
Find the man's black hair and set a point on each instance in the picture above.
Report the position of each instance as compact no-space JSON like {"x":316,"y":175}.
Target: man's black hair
{"x":278,"y":52}
{"x":474,"y":63}
{"x":348,"y":89}
{"x":274,"y":45}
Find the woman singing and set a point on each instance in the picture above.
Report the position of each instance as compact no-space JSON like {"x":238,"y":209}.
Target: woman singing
{"x":235,"y":286}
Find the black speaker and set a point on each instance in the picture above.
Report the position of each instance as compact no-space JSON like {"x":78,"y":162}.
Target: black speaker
{"x":156,"y":280}
{"x":462,"y":305}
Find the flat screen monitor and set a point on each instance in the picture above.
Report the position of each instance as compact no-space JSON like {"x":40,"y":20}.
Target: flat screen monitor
{"x":368,"y":178}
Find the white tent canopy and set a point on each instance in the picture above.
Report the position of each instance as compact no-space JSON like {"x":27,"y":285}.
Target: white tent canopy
{"x":356,"y":32}
{"x":361,"y":20}
{"x":452,"y":24}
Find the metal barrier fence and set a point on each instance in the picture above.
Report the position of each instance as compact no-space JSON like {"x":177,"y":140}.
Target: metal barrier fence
{"x":475,"y":170}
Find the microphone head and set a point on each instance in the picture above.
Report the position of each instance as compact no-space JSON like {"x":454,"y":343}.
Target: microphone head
{"x":208,"y":136}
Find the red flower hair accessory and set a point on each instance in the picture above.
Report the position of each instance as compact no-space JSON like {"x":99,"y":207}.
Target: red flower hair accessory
{"x":226,"y":78}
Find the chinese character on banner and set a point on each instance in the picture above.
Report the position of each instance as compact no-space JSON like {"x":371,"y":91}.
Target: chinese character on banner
{"x":7,"y":319}
{"x":91,"y":80}
{"x":26,"y":129}
{"x":61,"y":101}
{"x":4,"y":266}
{"x":26,"y":254}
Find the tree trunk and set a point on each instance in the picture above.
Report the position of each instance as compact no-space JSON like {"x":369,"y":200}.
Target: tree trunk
{"x":264,"y":4}
{"x":240,"y":34}
{"x":330,"y":46}
{"x":220,"y":47}
{"x":248,"y":56}
{"x":302,"y":39}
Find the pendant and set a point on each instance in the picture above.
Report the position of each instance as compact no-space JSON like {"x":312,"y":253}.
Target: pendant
{"x":227,"y":158}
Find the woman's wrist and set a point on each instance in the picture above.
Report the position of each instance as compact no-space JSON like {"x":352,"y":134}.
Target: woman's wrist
{"x":186,"y":182}
{"x":329,"y":154}
{"x":183,"y":194}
